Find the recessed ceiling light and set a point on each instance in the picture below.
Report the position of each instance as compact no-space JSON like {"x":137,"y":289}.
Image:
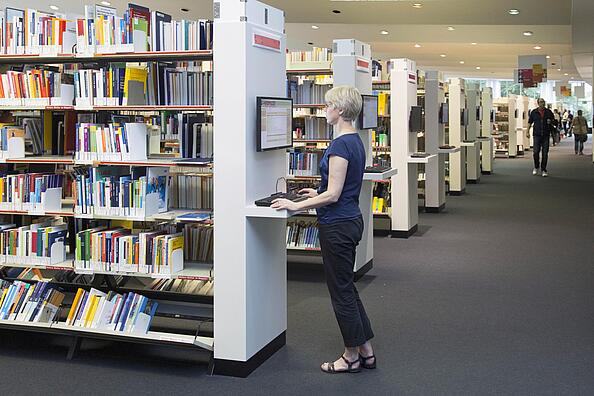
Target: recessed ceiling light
{"x":315,"y":27}
{"x":528,"y":33}
{"x":184,"y":9}
{"x":537,"y":47}
{"x":106,"y":3}
{"x":336,"y":11}
{"x":443,"y":55}
{"x":548,"y":56}
{"x":417,"y":45}
{"x":566,"y":74}
{"x":478,"y":68}
{"x":513,"y":11}
{"x":559,"y":69}
{"x":473,"y":43}
{"x":384,"y":32}
{"x":54,"y":7}
{"x":461,"y":62}
{"x":451,"y":28}
{"x":417,"y":5}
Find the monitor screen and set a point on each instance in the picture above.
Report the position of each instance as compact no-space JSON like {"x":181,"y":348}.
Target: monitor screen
{"x":479,"y":115}
{"x":444,"y":113}
{"x":368,"y":116}
{"x":274,"y":129}
{"x":416,"y":119}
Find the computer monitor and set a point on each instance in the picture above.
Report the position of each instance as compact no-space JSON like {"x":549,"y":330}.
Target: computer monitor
{"x":415,"y":121}
{"x":368,"y":117}
{"x":444,"y":113}
{"x":274,"y":125}
{"x":479,"y":114}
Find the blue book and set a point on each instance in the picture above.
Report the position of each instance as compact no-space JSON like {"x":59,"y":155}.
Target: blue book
{"x":124,"y":313}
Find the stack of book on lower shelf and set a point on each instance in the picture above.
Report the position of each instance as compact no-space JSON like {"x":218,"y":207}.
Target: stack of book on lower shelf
{"x":26,"y":302}
{"x":41,"y":243}
{"x":119,"y":251}
{"x":185,"y":286}
{"x":111,"y":142}
{"x":303,"y":234}
{"x":198,"y":242}
{"x":94,"y":309}
{"x":191,"y":191}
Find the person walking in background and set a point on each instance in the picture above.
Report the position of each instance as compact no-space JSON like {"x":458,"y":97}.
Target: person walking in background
{"x":579,"y":128}
{"x":557,"y":124}
{"x":569,"y":122}
{"x":541,"y":121}
{"x":564,"y":120}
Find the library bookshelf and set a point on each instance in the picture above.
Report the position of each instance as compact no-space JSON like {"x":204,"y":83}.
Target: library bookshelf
{"x":247,"y":321}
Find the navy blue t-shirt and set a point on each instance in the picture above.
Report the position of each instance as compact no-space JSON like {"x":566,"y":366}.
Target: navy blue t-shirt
{"x":349,"y":147}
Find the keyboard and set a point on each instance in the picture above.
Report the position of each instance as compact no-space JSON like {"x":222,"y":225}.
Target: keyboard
{"x":377,"y":169}
{"x":291,"y":196}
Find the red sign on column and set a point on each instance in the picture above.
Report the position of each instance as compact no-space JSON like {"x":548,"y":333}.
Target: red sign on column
{"x":267,"y":42}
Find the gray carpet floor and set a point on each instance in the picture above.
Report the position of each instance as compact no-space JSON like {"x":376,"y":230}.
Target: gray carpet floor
{"x":494,"y":296}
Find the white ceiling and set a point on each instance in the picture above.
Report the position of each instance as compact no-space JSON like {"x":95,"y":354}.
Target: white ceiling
{"x":498,"y":35}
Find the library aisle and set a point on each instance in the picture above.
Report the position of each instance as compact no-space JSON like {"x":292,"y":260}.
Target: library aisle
{"x":493,"y":299}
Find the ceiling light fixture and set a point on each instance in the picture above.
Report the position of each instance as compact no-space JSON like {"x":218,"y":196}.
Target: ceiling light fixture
{"x":513,"y":11}
{"x":336,"y":11}
{"x":478,"y":68}
{"x":528,"y":33}
{"x":315,"y":27}
{"x":417,"y":5}
{"x":548,"y":56}
{"x":417,"y":45}
{"x":184,"y":9}
{"x":537,"y":47}
{"x":566,"y":74}
{"x":384,"y":32}
{"x":106,"y":3}
{"x":559,"y":69}
{"x":473,"y":43}
{"x":54,"y":7}
{"x":451,"y":28}
{"x":461,"y":62}
{"x":443,"y":55}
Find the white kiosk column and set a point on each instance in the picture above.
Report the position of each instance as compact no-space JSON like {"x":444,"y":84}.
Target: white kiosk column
{"x":403,"y":143}
{"x":457,"y":105}
{"x":352,"y":66}
{"x":473,"y":153}
{"x":486,"y":139}
{"x":525,"y":110}
{"x":435,"y":189}
{"x":250,"y":306}
{"x":512,"y":150}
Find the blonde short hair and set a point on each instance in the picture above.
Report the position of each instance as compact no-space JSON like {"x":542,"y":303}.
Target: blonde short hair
{"x":347,"y":100}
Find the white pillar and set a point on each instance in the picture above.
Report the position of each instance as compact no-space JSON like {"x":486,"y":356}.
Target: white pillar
{"x":457,"y":105}
{"x":435,"y":197}
{"x":473,"y":153}
{"x":487,"y":156}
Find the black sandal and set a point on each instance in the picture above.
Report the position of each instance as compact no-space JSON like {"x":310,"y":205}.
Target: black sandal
{"x":349,"y":369}
{"x":369,"y":366}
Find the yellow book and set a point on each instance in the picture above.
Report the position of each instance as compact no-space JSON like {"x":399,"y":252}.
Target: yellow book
{"x":134,"y":74}
{"x":380,"y":205}
{"x":91,"y":302}
{"x":92,"y":311}
{"x":374,"y":206}
{"x":74,"y":306}
{"x":175,"y":243}
{"x":3,"y":296}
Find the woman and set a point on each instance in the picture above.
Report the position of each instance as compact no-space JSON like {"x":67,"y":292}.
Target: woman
{"x":579,"y":127}
{"x":341,"y":227}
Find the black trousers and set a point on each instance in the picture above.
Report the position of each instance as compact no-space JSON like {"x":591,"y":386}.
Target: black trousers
{"x":541,"y":143}
{"x":339,"y":243}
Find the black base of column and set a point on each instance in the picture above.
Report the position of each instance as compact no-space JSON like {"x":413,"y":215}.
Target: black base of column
{"x":382,"y":233}
{"x":363,"y":270}
{"x":234,"y":368}
{"x":404,"y":234}
{"x":457,"y":193}
{"x":472,"y":181}
{"x":486,"y":172}
{"x":429,"y":209}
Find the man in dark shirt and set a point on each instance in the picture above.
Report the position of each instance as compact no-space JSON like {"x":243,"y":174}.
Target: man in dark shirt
{"x":541,"y":121}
